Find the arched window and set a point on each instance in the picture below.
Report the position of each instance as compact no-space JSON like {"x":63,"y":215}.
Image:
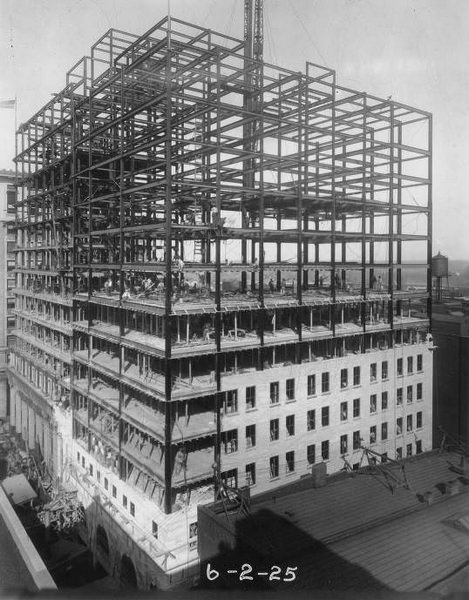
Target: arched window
{"x":128,"y":575}
{"x":102,"y":541}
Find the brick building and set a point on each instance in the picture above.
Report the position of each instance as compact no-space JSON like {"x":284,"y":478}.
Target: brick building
{"x":211,"y":284}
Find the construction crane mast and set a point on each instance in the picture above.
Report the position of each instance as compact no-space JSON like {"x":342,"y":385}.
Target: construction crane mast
{"x":253,"y":53}
{"x":254,"y":29}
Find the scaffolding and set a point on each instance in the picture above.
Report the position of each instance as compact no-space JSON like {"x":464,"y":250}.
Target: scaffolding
{"x":208,"y":213}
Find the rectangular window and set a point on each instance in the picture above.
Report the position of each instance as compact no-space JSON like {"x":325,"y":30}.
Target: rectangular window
{"x":419,"y":420}
{"x":290,"y":389}
{"x":419,"y":362}
{"x":325,"y":450}
{"x":325,"y":416}
{"x":290,"y":462}
{"x":409,"y":393}
{"x":91,"y":470}
{"x":399,"y":426}
{"x":410,"y":364}
{"x":98,"y":476}
{"x":356,"y":440}
{"x":344,"y":378}
{"x":409,"y":422}
{"x":356,"y":375}
{"x":384,"y":401}
{"x":154,"y":529}
{"x":290,"y":425}
{"x":398,"y":453}
{"x":419,"y":391}
{"x":409,"y":450}
{"x":132,"y":509}
{"x":274,"y":392}
{"x":231,"y":402}
{"x":273,"y":467}
{"x":230,"y":441}
{"x":373,"y":372}
{"x":193,"y":530}
{"x":343,"y":444}
{"x":373,"y":403}
{"x":399,"y":366}
{"x":343,"y":411}
{"x":230,"y":478}
{"x":384,"y":431}
{"x":106,"y":483}
{"x":399,"y":396}
{"x":274,"y":429}
{"x":250,"y":397}
{"x":311,"y":420}
{"x":250,"y":436}
{"x":251,"y":474}
{"x":356,"y":408}
{"x":325,"y":383}
{"x":124,"y":501}
{"x":78,"y":456}
{"x":418,"y":447}
{"x":384,"y":369}
{"x":311,"y":385}
{"x":114,"y":491}
{"x":373,"y":434}
{"x":311,"y":454}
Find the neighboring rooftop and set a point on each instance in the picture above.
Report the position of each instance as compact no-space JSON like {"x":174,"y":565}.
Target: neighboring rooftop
{"x":355,"y":534}
{"x":14,"y":574}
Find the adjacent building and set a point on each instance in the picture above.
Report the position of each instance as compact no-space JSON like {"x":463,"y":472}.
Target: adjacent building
{"x":214,"y":269}
{"x":7,"y":277}
{"x":451,"y":373}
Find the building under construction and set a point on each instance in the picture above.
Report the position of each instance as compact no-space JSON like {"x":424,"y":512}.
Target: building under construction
{"x":215,"y":283}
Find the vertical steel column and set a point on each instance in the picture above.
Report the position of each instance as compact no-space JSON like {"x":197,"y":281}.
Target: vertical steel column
{"x":391,"y":216}
{"x":260,"y":139}
{"x":299,"y":216}
{"x":363,"y":235}
{"x":168,"y":288}
{"x":399,"y":209}
{"x":218,"y":323}
{"x":430,"y":218}
{"x":333,"y":211}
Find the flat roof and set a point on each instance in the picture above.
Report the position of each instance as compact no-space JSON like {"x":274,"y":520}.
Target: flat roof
{"x":355,"y":534}
{"x":14,"y":574}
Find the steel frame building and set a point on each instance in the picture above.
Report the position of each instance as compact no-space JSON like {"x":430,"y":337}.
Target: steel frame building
{"x":198,"y":229}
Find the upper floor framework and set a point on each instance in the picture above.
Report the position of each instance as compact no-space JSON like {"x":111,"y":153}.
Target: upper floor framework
{"x":207,"y":212}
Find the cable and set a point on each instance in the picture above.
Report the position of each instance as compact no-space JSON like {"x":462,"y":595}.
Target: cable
{"x":307,"y":32}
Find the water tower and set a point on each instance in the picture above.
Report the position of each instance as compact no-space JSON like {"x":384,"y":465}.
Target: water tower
{"x":440,"y":272}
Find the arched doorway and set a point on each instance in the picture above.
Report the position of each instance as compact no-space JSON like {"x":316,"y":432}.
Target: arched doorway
{"x":128,"y":575}
{"x":102,"y":541}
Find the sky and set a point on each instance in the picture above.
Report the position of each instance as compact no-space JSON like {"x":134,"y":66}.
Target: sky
{"x":416,"y":51}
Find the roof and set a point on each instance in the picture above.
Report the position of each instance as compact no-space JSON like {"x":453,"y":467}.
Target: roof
{"x":14,"y":573}
{"x":355,"y":534}
{"x":18,"y":489}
